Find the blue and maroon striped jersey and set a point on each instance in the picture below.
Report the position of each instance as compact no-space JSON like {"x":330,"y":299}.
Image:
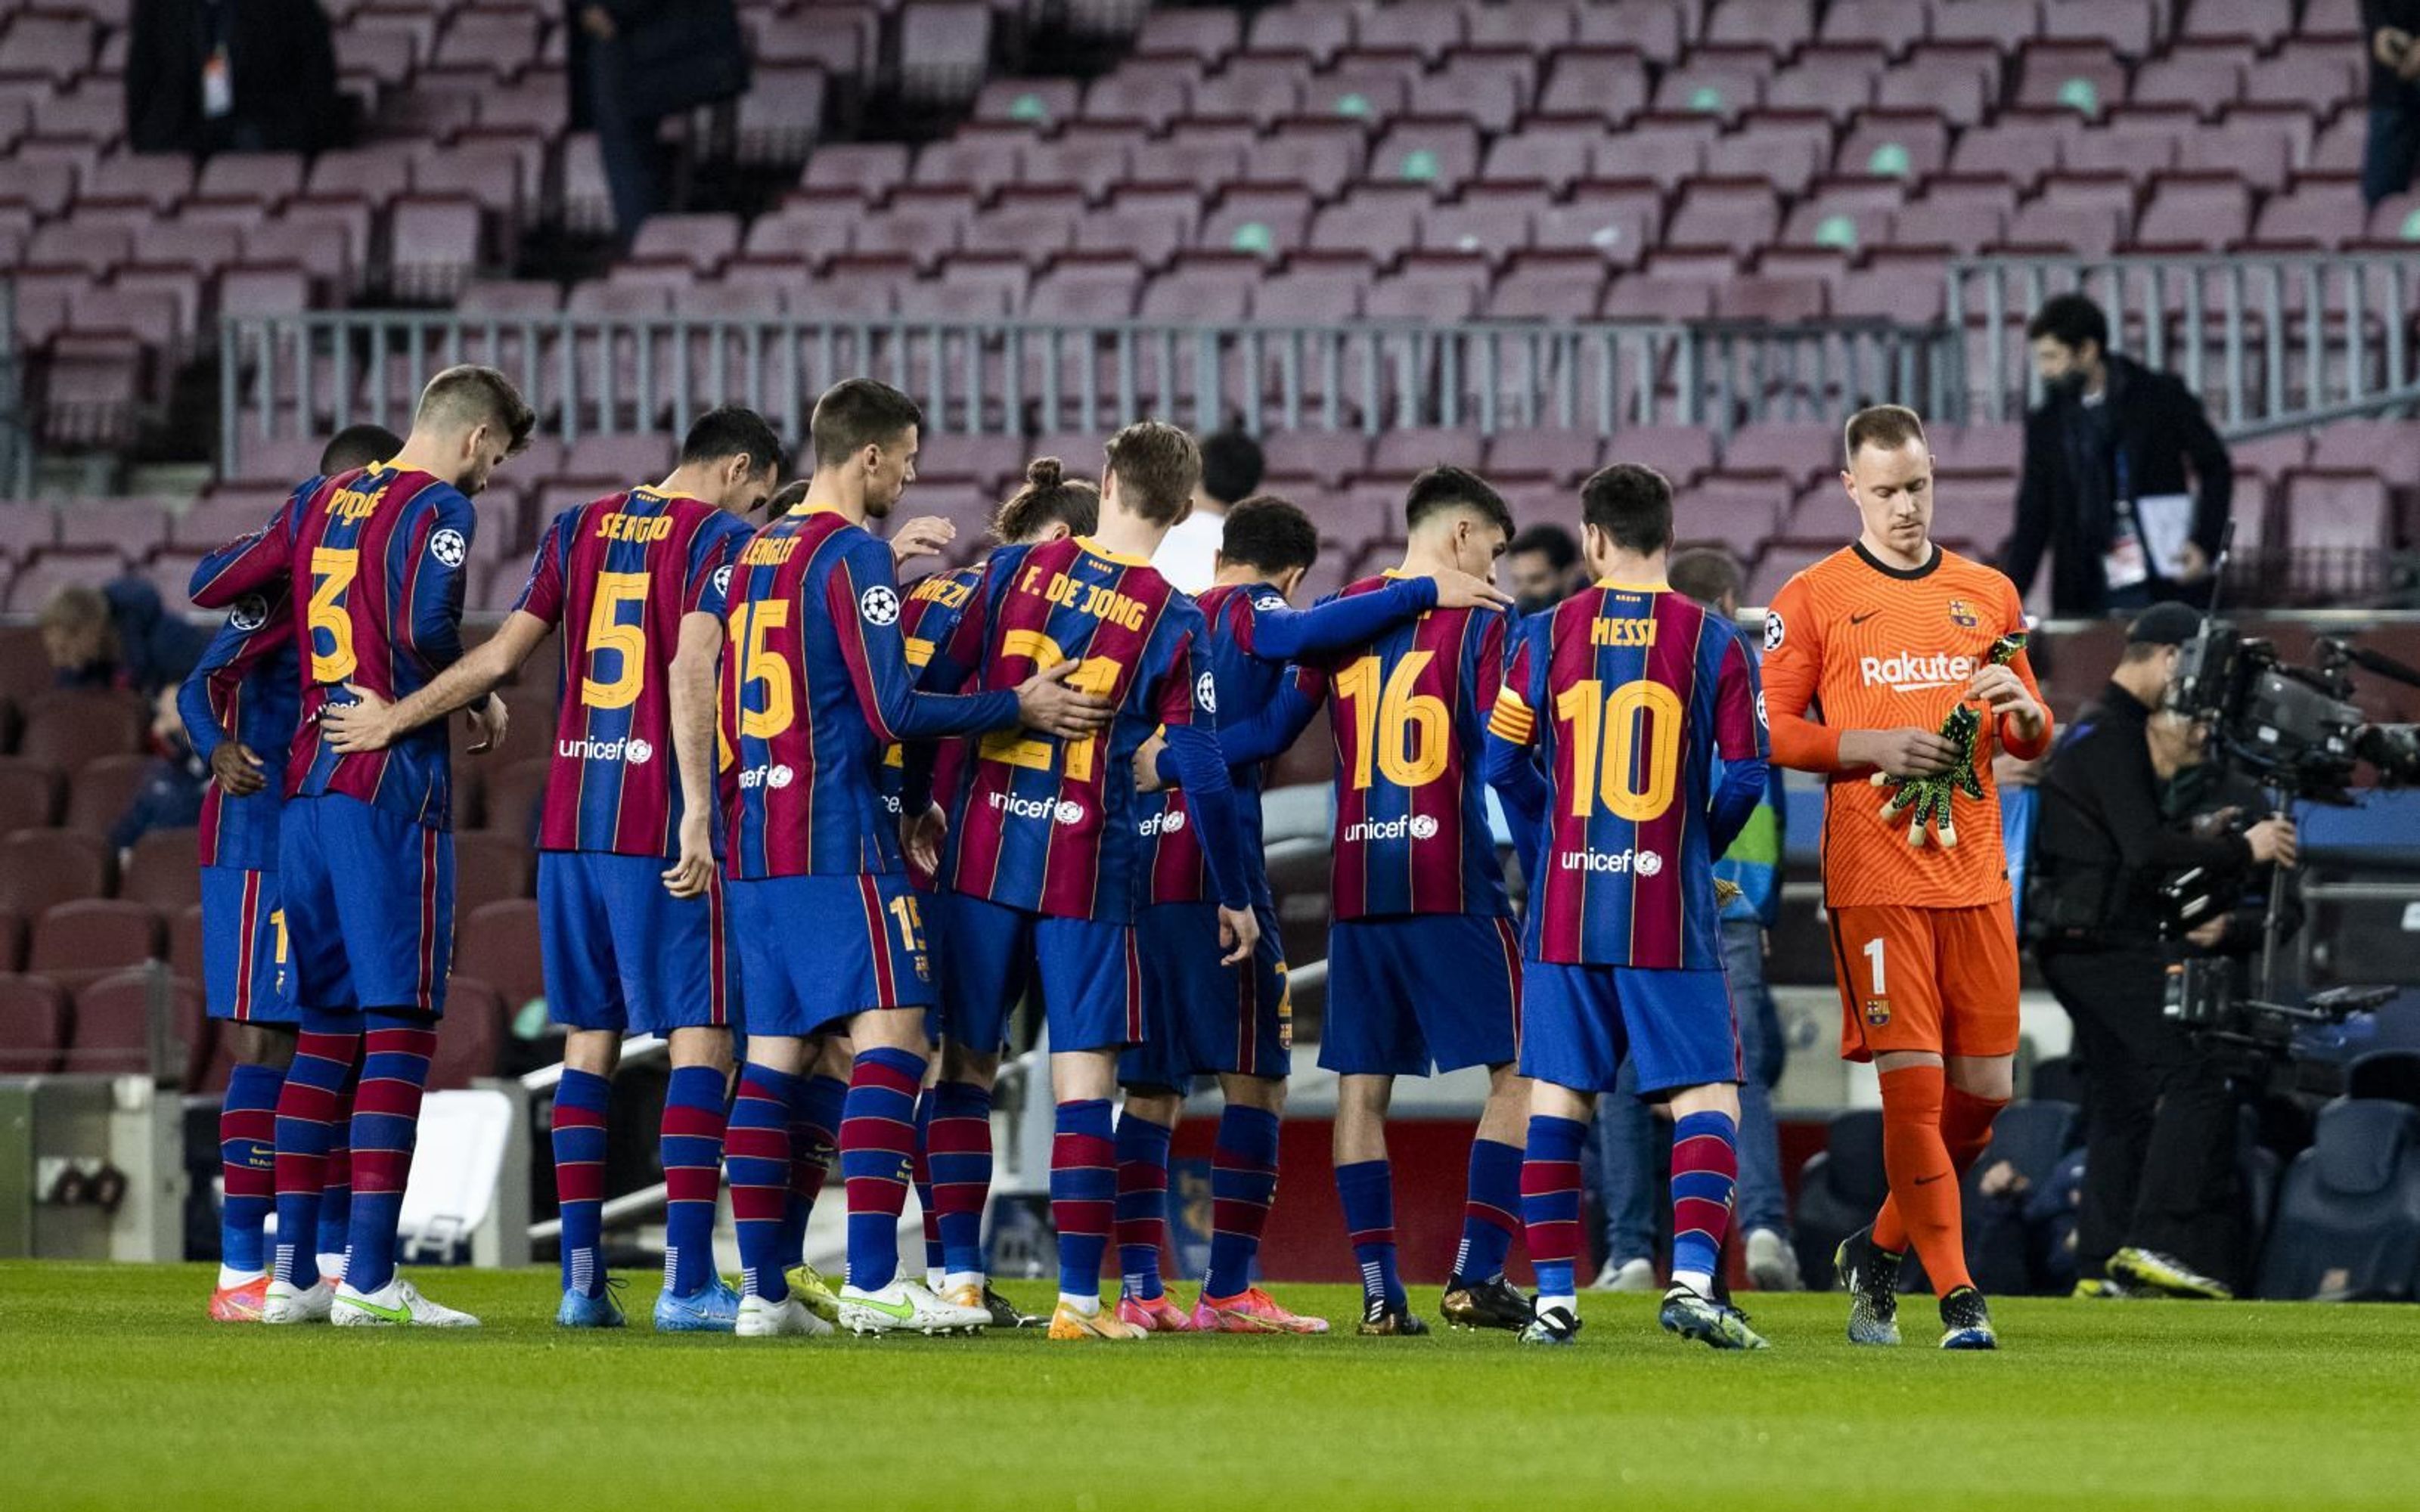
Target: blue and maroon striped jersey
{"x":1410,"y":729}
{"x":815,"y":687}
{"x":934,"y":607}
{"x":1640,"y":701}
{"x":375,"y":560}
{"x":617,"y":575}
{"x":1253,"y":632}
{"x":245,"y":688}
{"x":1047,"y":825}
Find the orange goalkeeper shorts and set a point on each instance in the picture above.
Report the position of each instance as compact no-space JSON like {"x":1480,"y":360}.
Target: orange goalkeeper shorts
{"x":1938,"y":979}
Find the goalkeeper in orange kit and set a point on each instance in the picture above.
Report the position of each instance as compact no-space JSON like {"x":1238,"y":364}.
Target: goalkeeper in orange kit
{"x":1893,"y":667}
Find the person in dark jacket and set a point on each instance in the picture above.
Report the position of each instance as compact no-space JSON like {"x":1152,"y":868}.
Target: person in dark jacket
{"x":2391,"y":32}
{"x":2159,"y":1211}
{"x":2113,"y":452}
{"x":634,"y":62}
{"x":171,"y":795}
{"x":231,"y":76}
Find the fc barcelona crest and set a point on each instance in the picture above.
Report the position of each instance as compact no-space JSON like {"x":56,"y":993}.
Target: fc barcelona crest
{"x":1877,"y":1011}
{"x":1962,"y":614}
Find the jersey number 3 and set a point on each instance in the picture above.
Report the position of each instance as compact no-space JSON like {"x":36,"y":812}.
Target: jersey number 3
{"x":1625,"y":748}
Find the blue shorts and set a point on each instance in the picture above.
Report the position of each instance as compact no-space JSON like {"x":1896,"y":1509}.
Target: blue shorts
{"x":1417,"y":989}
{"x":1201,"y":1017}
{"x":624,"y":955}
{"x":1086,"y":969}
{"x":1676,"y":1027}
{"x":243,"y":946}
{"x":819,"y":950}
{"x":368,"y":895}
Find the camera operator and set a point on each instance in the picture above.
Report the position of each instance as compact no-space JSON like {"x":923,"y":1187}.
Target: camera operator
{"x":2158,"y":1209}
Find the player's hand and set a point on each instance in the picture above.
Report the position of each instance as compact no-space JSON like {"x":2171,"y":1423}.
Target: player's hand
{"x":1904,"y":753}
{"x":238,"y":771}
{"x":1460,"y":590}
{"x":362,"y":725}
{"x":489,"y":722}
{"x":922,"y":536}
{"x":921,"y":836}
{"x":2274,"y":840}
{"x":1240,"y":932}
{"x":1146,"y":764}
{"x":2005,"y":694}
{"x":2210,"y":934}
{"x":1046,"y":704}
{"x":690,"y":875}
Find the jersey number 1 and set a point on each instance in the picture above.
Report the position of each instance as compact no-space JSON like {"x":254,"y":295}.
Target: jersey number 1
{"x":1613,"y":763}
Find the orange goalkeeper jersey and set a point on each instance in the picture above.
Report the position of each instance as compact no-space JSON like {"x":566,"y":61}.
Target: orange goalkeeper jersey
{"x":1852,"y":644}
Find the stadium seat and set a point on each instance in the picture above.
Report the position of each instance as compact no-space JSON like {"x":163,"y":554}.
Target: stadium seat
{"x":67,"y":728}
{"x":112,"y":1026}
{"x":34,"y":1026}
{"x":185,"y":943}
{"x":2348,"y":1222}
{"x":103,"y":789}
{"x":470,"y":1035}
{"x":161,"y":871}
{"x":40,"y":868}
{"x":78,"y":942}
{"x":1840,"y":1191}
{"x":498,"y":944}
{"x":490,"y":867}
{"x":29,"y":794}
{"x":12,"y":939}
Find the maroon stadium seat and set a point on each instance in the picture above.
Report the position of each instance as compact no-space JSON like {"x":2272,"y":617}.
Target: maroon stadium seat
{"x":1314,"y":31}
{"x":1605,"y":84}
{"x":470,"y":1035}
{"x":161,"y":872}
{"x":498,"y":944}
{"x":867,"y":170}
{"x":490,"y":866}
{"x":29,"y":794}
{"x":101,"y":789}
{"x":2337,"y":511}
{"x":1204,"y":37}
{"x":34,"y":1026}
{"x":68,"y":728}
{"x":112,"y":1023}
{"x":77,"y":943}
{"x":1149,"y":93}
{"x":514,"y":793}
{"x":942,"y":47}
{"x":12,"y":939}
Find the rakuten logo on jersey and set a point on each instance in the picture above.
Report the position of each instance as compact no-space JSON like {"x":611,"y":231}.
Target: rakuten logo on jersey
{"x":1415,"y":827}
{"x":1910,"y":673}
{"x":1616,"y":863}
{"x":1058,"y":810}
{"x":1166,"y":821}
{"x":777,"y":777}
{"x":631,"y":749}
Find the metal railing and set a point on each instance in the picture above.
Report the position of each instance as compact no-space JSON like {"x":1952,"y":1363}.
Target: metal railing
{"x":2266,"y":339}
{"x":296,"y":376}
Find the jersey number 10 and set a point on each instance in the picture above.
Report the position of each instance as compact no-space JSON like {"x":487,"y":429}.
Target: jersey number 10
{"x":1625,"y":747}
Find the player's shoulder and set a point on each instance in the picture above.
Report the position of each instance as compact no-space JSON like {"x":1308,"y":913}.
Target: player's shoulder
{"x":1962,"y":575}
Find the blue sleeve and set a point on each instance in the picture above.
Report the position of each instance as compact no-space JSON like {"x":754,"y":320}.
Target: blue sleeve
{"x":1276,"y":631}
{"x":1743,"y":788}
{"x":1512,"y":772}
{"x":434,"y":584}
{"x":1201,"y":771}
{"x":861,"y":594}
{"x":1272,"y":730}
{"x":250,"y":563}
{"x":244,"y":640}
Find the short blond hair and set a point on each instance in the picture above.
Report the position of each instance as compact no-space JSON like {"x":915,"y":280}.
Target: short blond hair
{"x":1158,"y":468}
{"x":1888,"y":427}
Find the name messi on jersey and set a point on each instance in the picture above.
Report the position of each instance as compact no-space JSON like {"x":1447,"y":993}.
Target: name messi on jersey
{"x":1105,"y":604}
{"x":1621,"y":633}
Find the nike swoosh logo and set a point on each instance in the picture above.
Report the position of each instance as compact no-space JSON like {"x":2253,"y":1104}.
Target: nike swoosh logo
{"x":900,"y":1310}
{"x":1860,"y":619}
{"x":1927,"y":1181}
{"x":392,"y":1314}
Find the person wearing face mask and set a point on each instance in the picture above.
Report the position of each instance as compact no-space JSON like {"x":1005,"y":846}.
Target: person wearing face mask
{"x":2125,"y":484}
{"x":2159,"y":1212}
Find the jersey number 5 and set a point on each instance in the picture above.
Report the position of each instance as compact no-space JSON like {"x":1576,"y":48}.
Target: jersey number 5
{"x":1625,"y":748}
{"x":607,"y":632}
{"x":1408,"y":733}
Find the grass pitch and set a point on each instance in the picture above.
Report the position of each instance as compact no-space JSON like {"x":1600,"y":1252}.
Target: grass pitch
{"x":115,"y":1391}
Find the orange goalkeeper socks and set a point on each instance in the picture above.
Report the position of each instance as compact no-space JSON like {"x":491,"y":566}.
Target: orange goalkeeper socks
{"x":1923,"y":1180}
{"x":1965,"y":1132}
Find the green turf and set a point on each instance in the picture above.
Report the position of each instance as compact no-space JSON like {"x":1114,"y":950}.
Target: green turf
{"x":115,"y":1392}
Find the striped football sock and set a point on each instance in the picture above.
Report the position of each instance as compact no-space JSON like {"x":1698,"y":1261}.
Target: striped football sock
{"x":580,"y":1102}
{"x":691,"y":1142}
{"x":878,"y":1143}
{"x":395,"y":1053}
{"x":1143,"y":1203}
{"x":1367,"y":1189}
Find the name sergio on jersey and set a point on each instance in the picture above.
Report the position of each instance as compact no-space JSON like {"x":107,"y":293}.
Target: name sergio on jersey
{"x":631,"y":748}
{"x":1105,"y":604}
{"x":1615,"y":863}
{"x":634,"y":528}
{"x":1908,"y":672}
{"x":1413,"y":826}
